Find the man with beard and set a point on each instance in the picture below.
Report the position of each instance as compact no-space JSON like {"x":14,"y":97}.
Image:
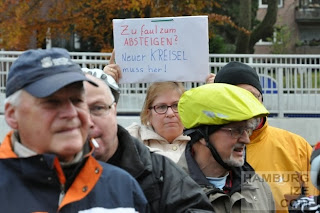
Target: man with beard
{"x":220,"y":126}
{"x":291,"y":153}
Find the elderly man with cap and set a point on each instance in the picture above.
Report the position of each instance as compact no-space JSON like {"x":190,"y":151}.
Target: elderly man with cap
{"x":279,"y":155}
{"x":46,"y":162}
{"x":219,"y":119}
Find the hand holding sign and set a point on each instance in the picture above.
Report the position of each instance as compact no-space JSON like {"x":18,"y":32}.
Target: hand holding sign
{"x":113,"y":69}
{"x":162,"y":49}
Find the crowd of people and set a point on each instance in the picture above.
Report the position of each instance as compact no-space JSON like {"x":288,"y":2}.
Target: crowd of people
{"x":207,"y":149}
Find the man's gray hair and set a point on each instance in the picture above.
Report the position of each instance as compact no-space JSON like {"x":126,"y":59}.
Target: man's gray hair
{"x":14,"y":99}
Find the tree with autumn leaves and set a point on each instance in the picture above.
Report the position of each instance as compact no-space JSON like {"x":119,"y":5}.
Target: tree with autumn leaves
{"x":26,"y":24}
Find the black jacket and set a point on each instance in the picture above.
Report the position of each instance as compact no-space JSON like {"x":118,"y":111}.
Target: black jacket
{"x":167,"y":187}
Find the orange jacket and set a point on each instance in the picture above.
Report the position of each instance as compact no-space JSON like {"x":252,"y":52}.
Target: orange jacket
{"x":283,"y":159}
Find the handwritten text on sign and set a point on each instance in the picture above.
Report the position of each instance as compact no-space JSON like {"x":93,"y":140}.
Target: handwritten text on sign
{"x":162,"y":49}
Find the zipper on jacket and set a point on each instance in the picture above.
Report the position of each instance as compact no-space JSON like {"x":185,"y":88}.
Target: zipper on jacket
{"x":62,"y":193}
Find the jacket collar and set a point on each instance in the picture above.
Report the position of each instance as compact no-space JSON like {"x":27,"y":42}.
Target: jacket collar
{"x":12,"y":148}
{"x":128,"y":156}
{"x":48,"y":166}
{"x":19,"y":148}
{"x":193,"y":167}
{"x":235,"y":173}
{"x":257,"y":135}
{"x":6,"y":150}
{"x":147,"y":133}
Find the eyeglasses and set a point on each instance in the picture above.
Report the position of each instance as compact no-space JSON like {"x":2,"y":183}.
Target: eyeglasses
{"x":237,"y":132}
{"x":162,"y":109}
{"x":100,"y":110}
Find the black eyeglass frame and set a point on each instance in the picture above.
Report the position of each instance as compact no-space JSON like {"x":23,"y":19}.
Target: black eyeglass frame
{"x":167,"y":107}
{"x":106,"y":109}
{"x":239,"y":133}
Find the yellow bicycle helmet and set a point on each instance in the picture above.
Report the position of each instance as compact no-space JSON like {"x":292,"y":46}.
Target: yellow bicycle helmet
{"x":218,"y":104}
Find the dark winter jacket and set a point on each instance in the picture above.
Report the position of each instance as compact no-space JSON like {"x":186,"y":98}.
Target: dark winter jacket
{"x":167,"y":187}
{"x":34,"y":184}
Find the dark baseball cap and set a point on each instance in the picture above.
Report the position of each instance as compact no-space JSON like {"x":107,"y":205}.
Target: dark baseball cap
{"x":43,"y":72}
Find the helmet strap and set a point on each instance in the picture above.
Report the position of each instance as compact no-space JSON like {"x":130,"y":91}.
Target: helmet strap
{"x":213,"y":150}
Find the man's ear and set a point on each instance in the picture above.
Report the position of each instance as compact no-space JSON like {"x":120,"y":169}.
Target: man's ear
{"x":10,"y":115}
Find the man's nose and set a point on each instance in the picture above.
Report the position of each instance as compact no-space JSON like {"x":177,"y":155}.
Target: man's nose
{"x":68,"y":109}
{"x":91,"y":123}
{"x":245,"y":137}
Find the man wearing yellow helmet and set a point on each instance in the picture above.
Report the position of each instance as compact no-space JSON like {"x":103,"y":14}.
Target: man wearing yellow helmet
{"x":279,"y":155}
{"x":220,"y":118}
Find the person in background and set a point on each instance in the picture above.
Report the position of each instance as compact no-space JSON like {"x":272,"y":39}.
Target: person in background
{"x":46,"y":160}
{"x":272,"y":152}
{"x":160,"y":128}
{"x":166,"y":186}
{"x":310,"y":204}
{"x":220,"y":118}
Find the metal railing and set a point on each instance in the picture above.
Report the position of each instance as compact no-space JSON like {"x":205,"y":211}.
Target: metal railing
{"x":291,"y":83}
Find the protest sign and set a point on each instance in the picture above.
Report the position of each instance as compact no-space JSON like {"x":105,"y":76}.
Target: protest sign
{"x":162,"y":49}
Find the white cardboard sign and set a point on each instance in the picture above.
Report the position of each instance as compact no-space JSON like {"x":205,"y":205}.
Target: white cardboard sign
{"x":162,"y":49}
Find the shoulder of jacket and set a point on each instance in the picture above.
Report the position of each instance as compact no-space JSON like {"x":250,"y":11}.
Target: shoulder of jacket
{"x":285,"y":134}
{"x":111,"y":170}
{"x":143,"y":151}
{"x":133,"y":126}
{"x":134,"y":129}
{"x":169,"y":168}
{"x":259,"y":182}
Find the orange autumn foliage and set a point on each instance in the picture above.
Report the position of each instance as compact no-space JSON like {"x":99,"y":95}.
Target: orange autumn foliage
{"x":26,"y":23}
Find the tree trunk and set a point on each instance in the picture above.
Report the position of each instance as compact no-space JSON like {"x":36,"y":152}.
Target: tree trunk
{"x":245,"y":42}
{"x":266,"y":26}
{"x":242,"y":40}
